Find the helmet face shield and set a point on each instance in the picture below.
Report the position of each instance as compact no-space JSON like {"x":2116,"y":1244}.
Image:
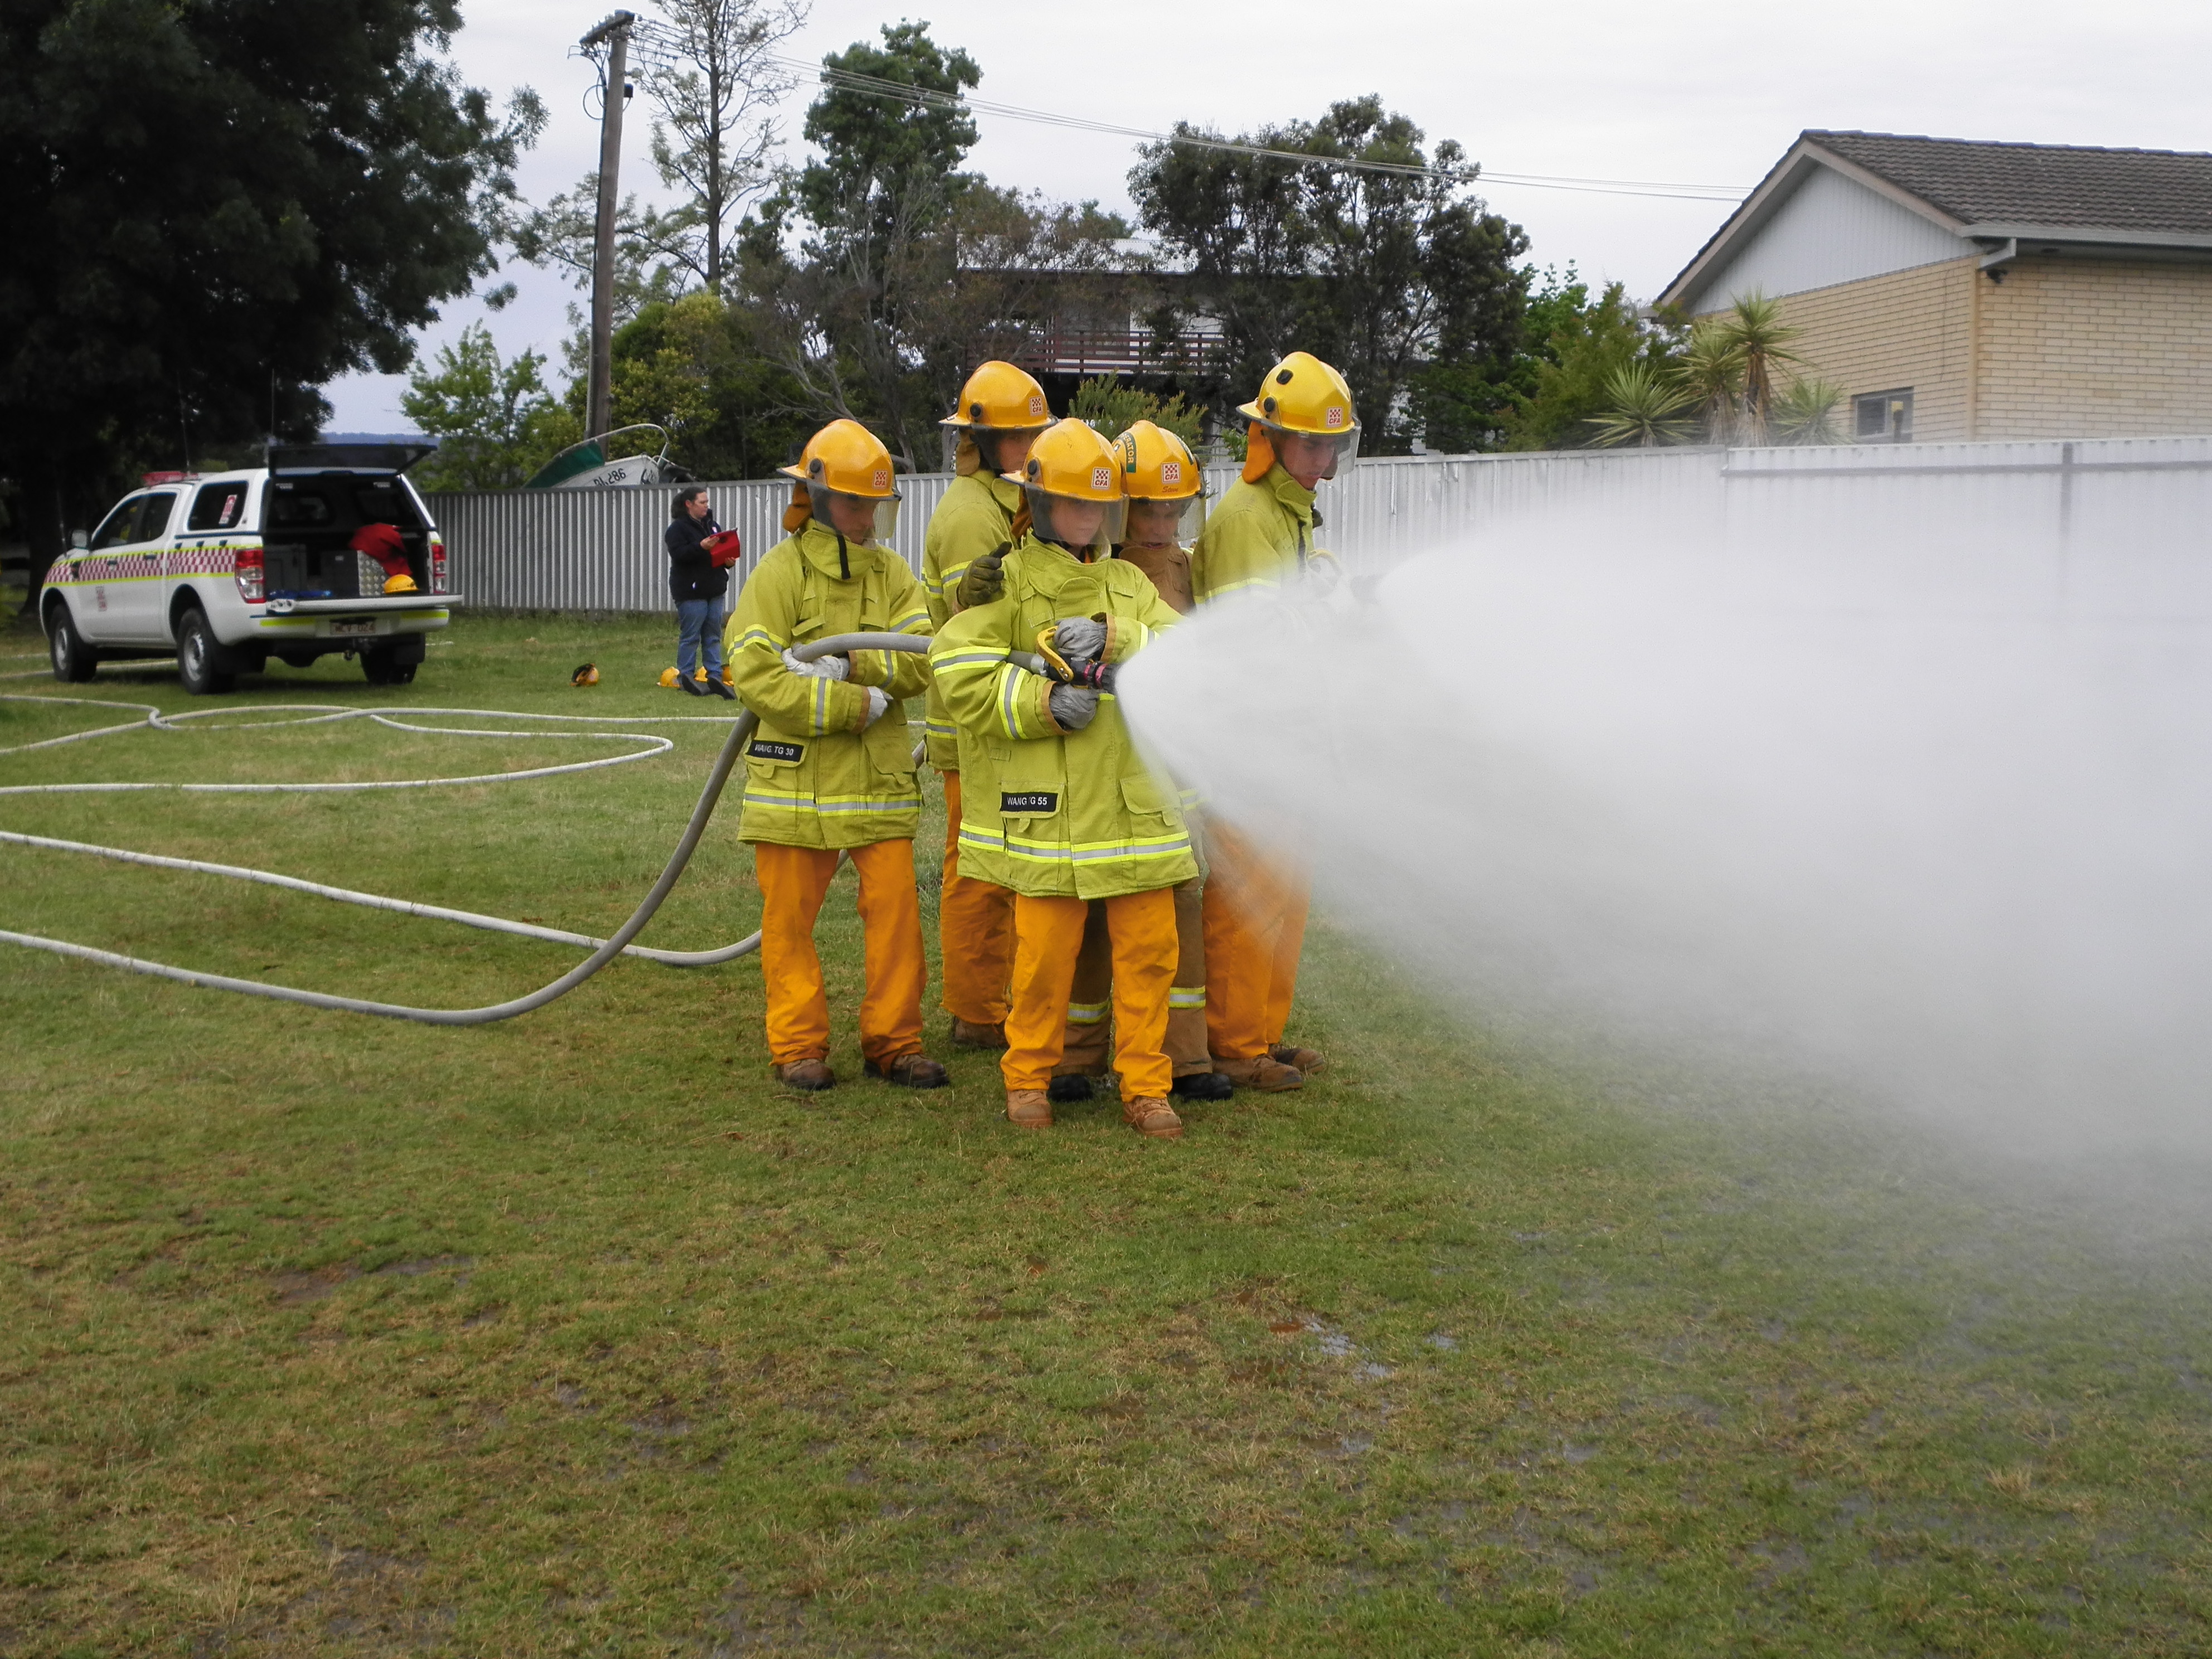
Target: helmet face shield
{"x":1077,"y":522}
{"x":856,"y":518}
{"x":1315,"y":454}
{"x":1154,"y":522}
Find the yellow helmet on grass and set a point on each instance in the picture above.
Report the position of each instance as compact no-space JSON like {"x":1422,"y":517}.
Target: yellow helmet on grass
{"x":844,"y":460}
{"x":1158,"y":467}
{"x":1304,"y":410}
{"x":1072,"y":480}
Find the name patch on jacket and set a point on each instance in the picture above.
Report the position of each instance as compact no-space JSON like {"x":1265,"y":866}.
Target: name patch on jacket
{"x":777,"y":752}
{"x":1028,"y":800}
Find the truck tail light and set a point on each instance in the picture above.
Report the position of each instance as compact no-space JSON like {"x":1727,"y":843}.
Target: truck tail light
{"x":247,"y":565}
{"x":438,"y":583}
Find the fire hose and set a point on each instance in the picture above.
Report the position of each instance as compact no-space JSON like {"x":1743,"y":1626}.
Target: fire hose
{"x":604,"y":950}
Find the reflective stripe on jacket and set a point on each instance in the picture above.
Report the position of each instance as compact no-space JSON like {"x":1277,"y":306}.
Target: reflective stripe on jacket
{"x":813,"y":776}
{"x":1259,"y":537}
{"x":1046,"y":811}
{"x":975,"y":516}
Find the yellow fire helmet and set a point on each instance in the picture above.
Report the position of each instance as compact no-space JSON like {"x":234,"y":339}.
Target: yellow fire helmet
{"x":1302,"y":402}
{"x":1072,"y":480}
{"x":999,"y":397}
{"x":844,"y":482}
{"x":1166,"y":490}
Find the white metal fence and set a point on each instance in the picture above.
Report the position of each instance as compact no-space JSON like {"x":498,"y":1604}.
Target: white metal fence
{"x":600,"y":550}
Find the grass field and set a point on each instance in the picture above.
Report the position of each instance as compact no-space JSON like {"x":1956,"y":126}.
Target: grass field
{"x":321,"y":1335}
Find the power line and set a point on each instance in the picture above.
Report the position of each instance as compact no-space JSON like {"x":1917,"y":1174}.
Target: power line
{"x":900,"y":92}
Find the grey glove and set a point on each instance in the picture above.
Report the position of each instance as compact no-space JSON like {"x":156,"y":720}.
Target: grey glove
{"x":824,"y":668}
{"x":1079,"y":638}
{"x":879,"y":704}
{"x":1072,"y":706}
{"x":983,"y":580}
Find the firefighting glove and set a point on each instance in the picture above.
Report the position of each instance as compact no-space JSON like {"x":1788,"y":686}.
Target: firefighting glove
{"x":983,"y":580}
{"x":880,"y":703}
{"x":1072,"y":706}
{"x":826,"y":668}
{"x":1079,"y":638}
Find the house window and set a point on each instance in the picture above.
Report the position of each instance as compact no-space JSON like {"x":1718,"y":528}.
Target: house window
{"x":1883,"y":417}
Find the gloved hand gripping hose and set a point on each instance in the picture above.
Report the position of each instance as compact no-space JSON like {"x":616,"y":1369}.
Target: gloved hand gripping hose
{"x":740,"y":729}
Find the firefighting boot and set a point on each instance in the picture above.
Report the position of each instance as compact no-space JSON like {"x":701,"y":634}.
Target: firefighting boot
{"x":1264,"y":1073}
{"x":1153,"y":1117}
{"x":1028,"y":1108}
{"x":1304,"y":1060}
{"x":967,"y":1036}
{"x":914,"y":1071}
{"x":807,"y":1074}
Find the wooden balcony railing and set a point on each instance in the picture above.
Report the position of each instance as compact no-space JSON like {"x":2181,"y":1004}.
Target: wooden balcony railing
{"x":1054,"y":350}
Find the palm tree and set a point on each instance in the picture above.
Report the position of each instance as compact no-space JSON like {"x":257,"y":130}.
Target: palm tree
{"x":1753,"y":326}
{"x":1805,"y":413}
{"x":1710,"y":373}
{"x":1643,"y":406}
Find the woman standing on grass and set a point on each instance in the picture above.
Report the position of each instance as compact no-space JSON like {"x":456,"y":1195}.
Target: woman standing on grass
{"x":696,"y":583}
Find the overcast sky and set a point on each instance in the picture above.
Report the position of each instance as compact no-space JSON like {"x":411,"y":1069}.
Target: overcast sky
{"x":1605,"y":89}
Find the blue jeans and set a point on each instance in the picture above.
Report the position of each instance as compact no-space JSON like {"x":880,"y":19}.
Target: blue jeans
{"x":699,"y":622}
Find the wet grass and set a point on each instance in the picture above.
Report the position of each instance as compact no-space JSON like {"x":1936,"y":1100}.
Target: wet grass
{"x":326,"y":1335}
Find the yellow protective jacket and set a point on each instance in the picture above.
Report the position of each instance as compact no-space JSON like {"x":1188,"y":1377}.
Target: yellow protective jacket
{"x":813,"y":776}
{"x":1063,"y":813}
{"x":976,"y":516}
{"x":1259,"y":537}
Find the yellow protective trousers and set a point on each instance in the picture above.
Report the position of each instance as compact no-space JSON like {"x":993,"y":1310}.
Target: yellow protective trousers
{"x":1255,"y":928}
{"x":1140,"y":930}
{"x":794,"y":882}
{"x":1088,"y":1045}
{"x":974,"y":931}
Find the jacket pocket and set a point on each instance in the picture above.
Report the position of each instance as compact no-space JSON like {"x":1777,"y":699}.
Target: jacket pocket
{"x":1032,"y":780}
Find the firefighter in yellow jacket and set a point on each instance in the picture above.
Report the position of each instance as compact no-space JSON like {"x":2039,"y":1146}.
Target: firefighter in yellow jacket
{"x":1303,"y":429}
{"x":1167,"y":504}
{"x":1073,"y":814}
{"x":831,"y":769}
{"x":1000,"y":413}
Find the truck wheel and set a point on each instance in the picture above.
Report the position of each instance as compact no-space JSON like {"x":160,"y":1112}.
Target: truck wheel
{"x":75,"y":662}
{"x":202,"y":663}
{"x":379,"y":666}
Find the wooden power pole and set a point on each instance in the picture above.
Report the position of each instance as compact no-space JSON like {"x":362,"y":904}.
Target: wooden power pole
{"x":599,"y":403}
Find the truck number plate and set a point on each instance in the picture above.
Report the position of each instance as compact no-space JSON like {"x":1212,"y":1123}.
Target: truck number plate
{"x":365,"y":625}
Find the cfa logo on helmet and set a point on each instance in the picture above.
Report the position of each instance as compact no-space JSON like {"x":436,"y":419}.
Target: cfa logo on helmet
{"x":883,"y":478}
{"x":1335,"y":416}
{"x":1037,"y":404}
{"x":1170,"y":472}
{"x":1102,"y":478}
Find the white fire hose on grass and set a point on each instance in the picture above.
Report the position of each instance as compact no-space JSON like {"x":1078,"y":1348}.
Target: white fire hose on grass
{"x":604,"y":950}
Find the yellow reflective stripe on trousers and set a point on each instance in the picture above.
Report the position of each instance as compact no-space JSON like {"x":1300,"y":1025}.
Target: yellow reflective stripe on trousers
{"x":1088,"y":1013}
{"x":1186,"y":996}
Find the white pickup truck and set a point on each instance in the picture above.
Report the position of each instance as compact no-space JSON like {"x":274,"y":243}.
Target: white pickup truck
{"x":225,"y":570}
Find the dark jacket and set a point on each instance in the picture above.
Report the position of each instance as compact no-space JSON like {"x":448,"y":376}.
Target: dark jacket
{"x":691,"y":574}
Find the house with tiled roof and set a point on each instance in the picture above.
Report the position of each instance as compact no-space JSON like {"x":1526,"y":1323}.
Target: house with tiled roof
{"x":1958,"y":289}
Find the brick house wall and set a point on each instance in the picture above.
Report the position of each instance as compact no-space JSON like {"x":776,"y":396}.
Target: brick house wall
{"x":2063,"y":348}
{"x":2096,"y":348}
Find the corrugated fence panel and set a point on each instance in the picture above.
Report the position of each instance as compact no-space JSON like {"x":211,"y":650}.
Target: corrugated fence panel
{"x":2050,"y":508}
